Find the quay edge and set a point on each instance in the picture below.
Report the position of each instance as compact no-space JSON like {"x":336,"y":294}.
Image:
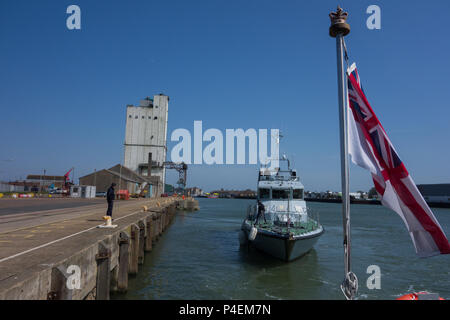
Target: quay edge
{"x":105,"y":257}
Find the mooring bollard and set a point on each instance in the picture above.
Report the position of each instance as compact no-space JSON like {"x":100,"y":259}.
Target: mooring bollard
{"x":58,"y":286}
{"x":122,"y":278}
{"x":103,"y":272}
{"x":134,"y":250}
{"x":141,"y":253}
{"x":149,"y":236}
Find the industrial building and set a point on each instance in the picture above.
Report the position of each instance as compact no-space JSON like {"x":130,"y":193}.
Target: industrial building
{"x":46,"y":181}
{"x":143,"y":172}
{"x":124,"y":178}
{"x":12,"y":187}
{"x":145,"y":134}
{"x":34,"y":183}
{"x":194,"y":192}
{"x":435,"y":193}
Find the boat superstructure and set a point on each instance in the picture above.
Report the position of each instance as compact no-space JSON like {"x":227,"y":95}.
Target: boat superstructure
{"x":286,"y":231}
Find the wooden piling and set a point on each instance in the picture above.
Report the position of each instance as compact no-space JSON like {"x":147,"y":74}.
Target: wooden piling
{"x":134,"y":250}
{"x":149,"y":234}
{"x":168,"y":217}
{"x":171,"y":209}
{"x":103,"y":272}
{"x":141,"y":252}
{"x":114,"y":279}
{"x":158,"y":225}
{"x":59,"y":289}
{"x":122,"y":278}
{"x":154,"y":230}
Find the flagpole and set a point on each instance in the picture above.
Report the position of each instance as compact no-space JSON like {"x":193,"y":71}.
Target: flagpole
{"x":339,"y":29}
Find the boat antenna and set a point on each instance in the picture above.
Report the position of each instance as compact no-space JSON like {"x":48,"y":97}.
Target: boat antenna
{"x":278,"y":137}
{"x":339,"y":29}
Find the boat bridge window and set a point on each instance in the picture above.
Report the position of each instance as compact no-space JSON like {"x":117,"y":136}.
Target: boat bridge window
{"x":264,"y":193}
{"x":280,"y":193}
{"x":298,"y":194}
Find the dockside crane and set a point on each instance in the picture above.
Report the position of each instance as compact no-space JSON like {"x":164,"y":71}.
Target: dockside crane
{"x":66,"y":183}
{"x":182,"y":172}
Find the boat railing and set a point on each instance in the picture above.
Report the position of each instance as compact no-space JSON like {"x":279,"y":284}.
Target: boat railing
{"x":313,"y":214}
{"x":283,"y":218}
{"x":278,"y":178}
{"x":294,"y":218}
{"x":251,"y":212}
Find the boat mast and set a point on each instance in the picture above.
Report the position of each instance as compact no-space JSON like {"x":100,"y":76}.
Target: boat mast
{"x":339,"y":29}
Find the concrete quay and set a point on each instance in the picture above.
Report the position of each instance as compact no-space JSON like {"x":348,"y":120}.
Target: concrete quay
{"x":74,"y":259}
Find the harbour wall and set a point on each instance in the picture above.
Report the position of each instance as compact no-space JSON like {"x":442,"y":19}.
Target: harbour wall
{"x":97,"y":264}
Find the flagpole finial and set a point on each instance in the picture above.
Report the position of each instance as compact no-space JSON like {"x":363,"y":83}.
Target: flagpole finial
{"x":338,"y":23}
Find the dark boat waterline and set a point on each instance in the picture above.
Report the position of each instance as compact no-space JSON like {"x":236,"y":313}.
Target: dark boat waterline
{"x":288,"y":242}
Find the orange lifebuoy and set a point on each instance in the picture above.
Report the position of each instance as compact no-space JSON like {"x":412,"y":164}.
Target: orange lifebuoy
{"x":414,"y":296}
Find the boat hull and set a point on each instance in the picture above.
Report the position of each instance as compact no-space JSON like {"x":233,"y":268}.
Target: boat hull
{"x":283,"y":248}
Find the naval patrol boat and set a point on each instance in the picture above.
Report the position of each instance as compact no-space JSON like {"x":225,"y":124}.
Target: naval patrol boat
{"x":286,"y":230}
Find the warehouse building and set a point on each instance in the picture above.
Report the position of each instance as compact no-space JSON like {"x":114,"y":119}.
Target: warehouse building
{"x":12,"y":187}
{"x":125,"y":179}
{"x":435,"y":193}
{"x":46,"y":181}
{"x":34,"y":183}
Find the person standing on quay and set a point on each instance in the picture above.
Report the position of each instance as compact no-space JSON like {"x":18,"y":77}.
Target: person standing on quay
{"x":110,"y":195}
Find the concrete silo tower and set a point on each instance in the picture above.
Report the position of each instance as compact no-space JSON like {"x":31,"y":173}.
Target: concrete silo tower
{"x":145,"y":133}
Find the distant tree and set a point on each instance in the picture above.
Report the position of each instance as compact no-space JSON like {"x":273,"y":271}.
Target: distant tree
{"x":372,"y":193}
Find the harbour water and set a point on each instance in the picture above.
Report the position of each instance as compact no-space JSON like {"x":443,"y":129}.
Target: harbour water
{"x":199,"y":257}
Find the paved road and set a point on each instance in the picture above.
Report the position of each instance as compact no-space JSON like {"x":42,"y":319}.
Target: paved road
{"x":24,"y":213}
{"x":15,"y":206}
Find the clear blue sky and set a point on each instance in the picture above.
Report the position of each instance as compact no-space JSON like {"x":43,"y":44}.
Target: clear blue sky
{"x":232,"y":64}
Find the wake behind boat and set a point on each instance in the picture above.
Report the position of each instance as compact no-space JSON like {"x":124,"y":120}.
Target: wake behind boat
{"x":285,"y":230}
